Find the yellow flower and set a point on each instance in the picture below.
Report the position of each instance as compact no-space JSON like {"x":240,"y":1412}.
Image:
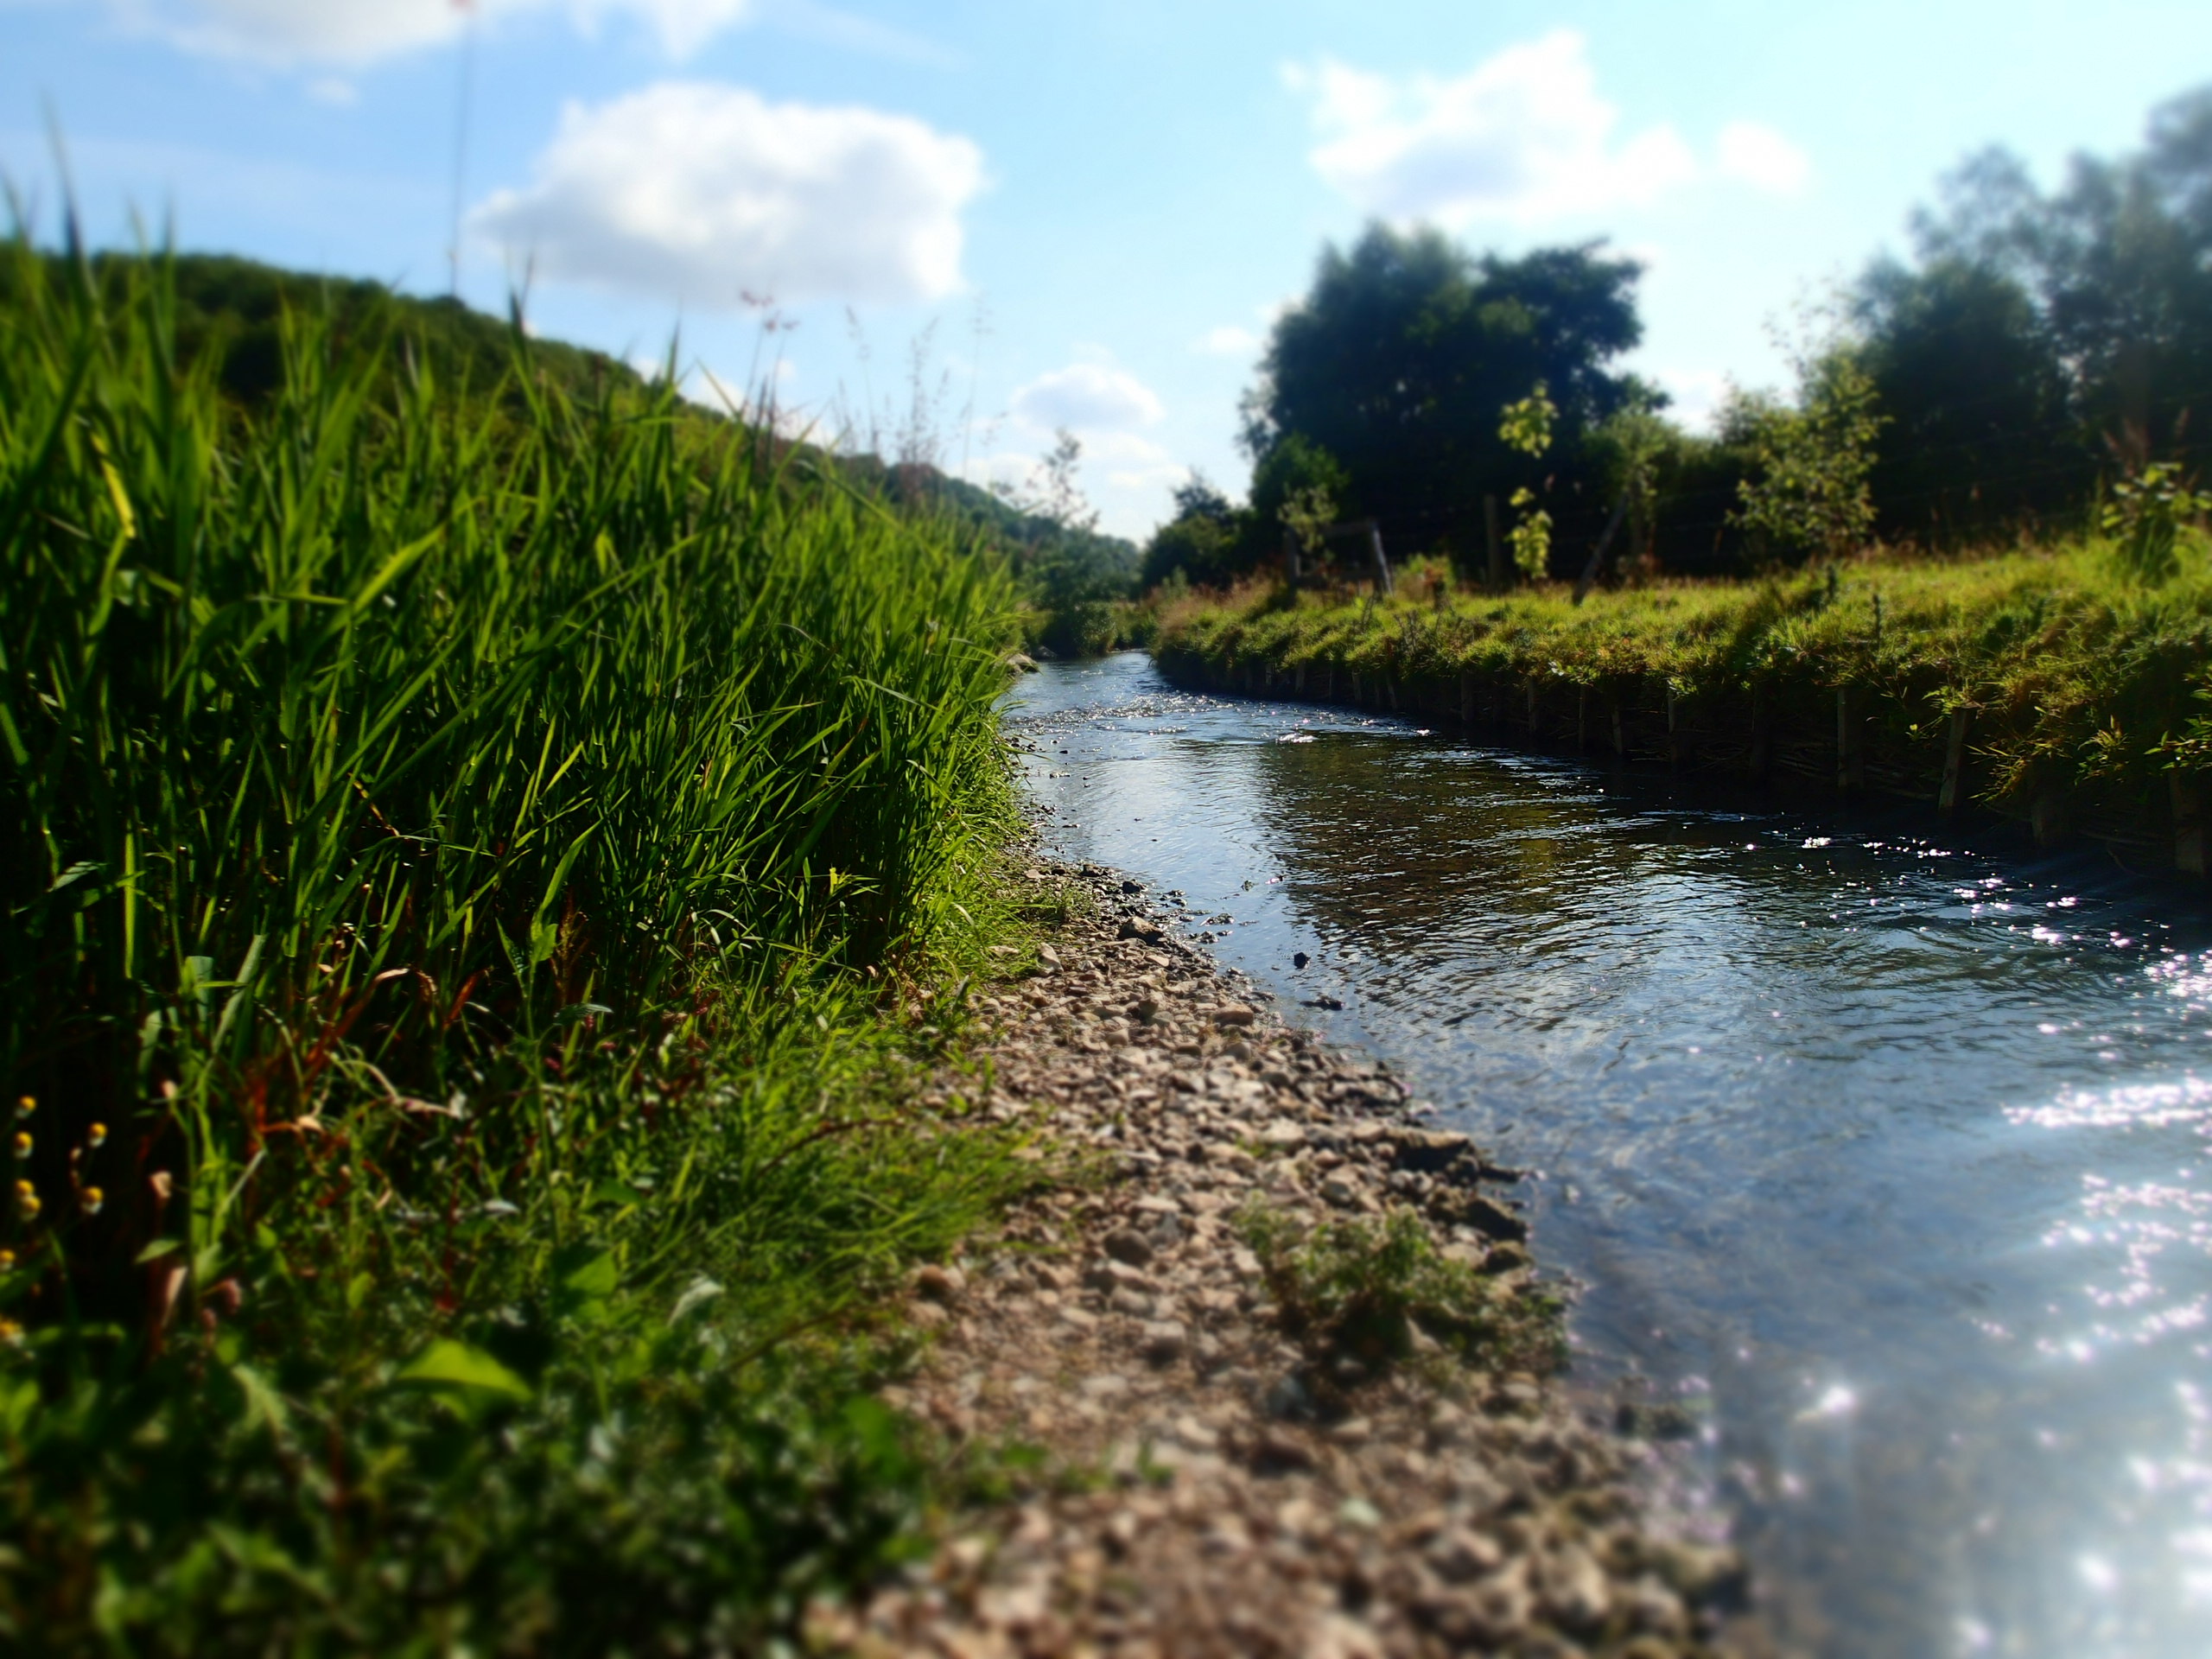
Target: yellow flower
{"x":92,"y":1199}
{"x":10,"y":1332}
{"x":7,"y":1261}
{"x":26,"y":1204}
{"x":98,"y":1137}
{"x":26,"y":1106}
{"x":23,"y":1143}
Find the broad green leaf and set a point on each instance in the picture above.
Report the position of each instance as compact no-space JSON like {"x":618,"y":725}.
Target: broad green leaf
{"x":447,"y":1363}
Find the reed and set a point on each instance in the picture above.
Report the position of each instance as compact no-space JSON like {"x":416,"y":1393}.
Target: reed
{"x":466,"y":849}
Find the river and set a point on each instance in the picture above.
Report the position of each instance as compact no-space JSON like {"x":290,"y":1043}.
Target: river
{"x":1884,"y":1158}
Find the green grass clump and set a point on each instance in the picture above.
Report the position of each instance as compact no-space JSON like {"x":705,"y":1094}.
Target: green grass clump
{"x":1358,"y":1291}
{"x":474,"y":860}
{"x":2074,"y":671}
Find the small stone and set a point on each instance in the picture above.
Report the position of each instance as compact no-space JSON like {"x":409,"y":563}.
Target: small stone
{"x":1235,"y":1014}
{"x":1575,"y":1591}
{"x":1461,"y":1554}
{"x":1107,"y":1276}
{"x":1048,"y":957}
{"x":1273,"y":1448}
{"x":1341,"y":1192}
{"x":1165,"y":1341}
{"x":1699,"y":1574}
{"x":1130,"y":1303}
{"x":939,"y":1284}
{"x":1082,"y":1317}
{"x":1358,"y":1512}
{"x":1353,"y":1431}
{"x":1125,"y":1244}
{"x":1105,"y":1386}
{"x":929,"y":1316}
{"x":1282,"y":1137}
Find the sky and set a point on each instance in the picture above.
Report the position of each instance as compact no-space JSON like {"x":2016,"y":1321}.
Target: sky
{"x":965,"y":224}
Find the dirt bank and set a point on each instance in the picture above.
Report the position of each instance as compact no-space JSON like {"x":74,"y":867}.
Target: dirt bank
{"x":1236,"y":1463}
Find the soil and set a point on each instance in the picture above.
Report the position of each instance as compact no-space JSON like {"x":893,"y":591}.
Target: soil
{"x":1207,"y":1485}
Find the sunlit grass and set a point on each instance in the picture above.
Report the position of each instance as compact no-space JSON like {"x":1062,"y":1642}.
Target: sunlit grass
{"x":2073,"y":670}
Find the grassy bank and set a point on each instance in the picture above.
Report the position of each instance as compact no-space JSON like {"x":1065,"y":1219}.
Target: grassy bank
{"x":2048,"y":681}
{"x":479,"y":866}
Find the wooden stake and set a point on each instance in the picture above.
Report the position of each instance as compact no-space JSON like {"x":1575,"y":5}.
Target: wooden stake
{"x":1955,"y":762}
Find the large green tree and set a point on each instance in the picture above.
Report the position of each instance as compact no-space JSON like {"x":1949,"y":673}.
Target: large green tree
{"x":1401,"y":358}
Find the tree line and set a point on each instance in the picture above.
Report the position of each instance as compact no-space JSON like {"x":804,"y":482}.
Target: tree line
{"x":2036,"y":351}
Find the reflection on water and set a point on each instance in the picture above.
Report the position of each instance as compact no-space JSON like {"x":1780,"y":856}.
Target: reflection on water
{"x":1889,"y":1157}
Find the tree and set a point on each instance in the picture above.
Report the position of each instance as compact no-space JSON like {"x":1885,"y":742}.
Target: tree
{"x":2115,"y":268}
{"x":1405,"y":349}
{"x":1199,"y":542}
{"x":1966,"y":367}
{"x":1810,"y":492}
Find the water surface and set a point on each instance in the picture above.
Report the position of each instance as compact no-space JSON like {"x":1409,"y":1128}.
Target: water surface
{"x":1887,"y":1157}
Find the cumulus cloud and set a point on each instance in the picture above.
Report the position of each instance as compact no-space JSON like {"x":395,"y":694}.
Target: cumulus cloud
{"x":359,"y":32}
{"x":1525,"y":137}
{"x":705,"y":192}
{"x":1088,"y":398}
{"x":1759,"y":155}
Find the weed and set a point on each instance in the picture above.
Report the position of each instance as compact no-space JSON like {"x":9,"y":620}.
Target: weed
{"x":1369,"y":1292}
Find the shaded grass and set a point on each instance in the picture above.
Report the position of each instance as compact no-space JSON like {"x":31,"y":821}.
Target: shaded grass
{"x":483,"y":869}
{"x":2074,"y":672}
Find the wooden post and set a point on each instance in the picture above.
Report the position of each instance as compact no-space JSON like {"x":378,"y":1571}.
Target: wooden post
{"x":1497,"y":547}
{"x":1850,"y":749}
{"x":1955,"y":762}
{"x":1382,"y":560}
{"x":1596,"y":561}
{"x":2188,"y":823}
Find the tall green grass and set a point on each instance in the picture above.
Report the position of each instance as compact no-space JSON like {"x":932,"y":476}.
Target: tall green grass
{"x":460,"y":845}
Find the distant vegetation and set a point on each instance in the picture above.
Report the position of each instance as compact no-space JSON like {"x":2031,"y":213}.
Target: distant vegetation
{"x":2078,"y":674}
{"x":480,"y":872}
{"x":2034,"y":349}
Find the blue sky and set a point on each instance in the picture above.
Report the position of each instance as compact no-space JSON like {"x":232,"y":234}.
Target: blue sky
{"x":1072,"y":213}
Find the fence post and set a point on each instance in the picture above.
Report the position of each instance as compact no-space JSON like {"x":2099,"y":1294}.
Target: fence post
{"x":1954,"y":763}
{"x":1382,"y":560}
{"x":1850,"y":749}
{"x":2189,"y":824}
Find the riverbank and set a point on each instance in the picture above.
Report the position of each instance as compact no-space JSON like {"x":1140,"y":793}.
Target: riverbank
{"x":2037,"y":685}
{"x":1298,"y":1335}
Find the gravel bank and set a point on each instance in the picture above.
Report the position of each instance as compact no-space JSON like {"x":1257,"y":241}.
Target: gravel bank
{"x":1246,"y":1495}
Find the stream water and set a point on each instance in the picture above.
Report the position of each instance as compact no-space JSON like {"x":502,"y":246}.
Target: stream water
{"x":1885,"y":1158}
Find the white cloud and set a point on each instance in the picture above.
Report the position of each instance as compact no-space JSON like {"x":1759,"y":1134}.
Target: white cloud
{"x":1759,"y":155}
{"x":703,"y":192}
{"x":1227,"y":340}
{"x":358,"y":32}
{"x":1525,"y":137}
{"x":1087,"y":397}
